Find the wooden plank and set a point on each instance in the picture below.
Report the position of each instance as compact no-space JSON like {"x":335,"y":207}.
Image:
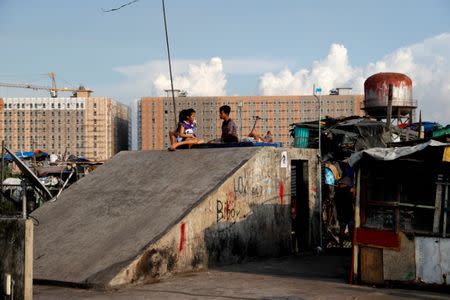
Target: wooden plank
{"x":444,"y":229}
{"x":372,"y":265}
{"x":437,"y":205}
{"x":28,"y":264}
{"x":396,"y":204}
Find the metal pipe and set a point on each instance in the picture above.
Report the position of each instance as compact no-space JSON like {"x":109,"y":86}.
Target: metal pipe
{"x":24,"y":199}
{"x":389,"y":109}
{"x":240,"y":104}
{"x":170,"y":65}
{"x":64,"y":185}
{"x":319,"y":170}
{"x":3,"y":166}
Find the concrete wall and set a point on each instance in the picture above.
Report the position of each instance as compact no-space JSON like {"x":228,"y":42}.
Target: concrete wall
{"x":400,"y":265}
{"x":16,"y":252}
{"x":247,"y":216}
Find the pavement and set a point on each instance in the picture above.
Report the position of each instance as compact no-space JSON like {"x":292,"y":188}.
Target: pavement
{"x":293,"y":278}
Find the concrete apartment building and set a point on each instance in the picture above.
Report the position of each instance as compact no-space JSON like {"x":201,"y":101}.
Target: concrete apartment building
{"x":93,"y":127}
{"x":155,"y":115}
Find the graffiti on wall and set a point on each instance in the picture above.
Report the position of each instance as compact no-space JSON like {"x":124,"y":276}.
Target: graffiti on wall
{"x":227,"y":210}
{"x":243,"y":188}
{"x":253,"y":186}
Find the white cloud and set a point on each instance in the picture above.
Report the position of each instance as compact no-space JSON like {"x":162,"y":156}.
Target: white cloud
{"x":332,"y":71}
{"x":427,"y":63}
{"x":205,"y":79}
{"x":152,"y":77}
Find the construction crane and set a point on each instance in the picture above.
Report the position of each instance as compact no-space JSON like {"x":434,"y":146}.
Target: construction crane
{"x":53,"y":89}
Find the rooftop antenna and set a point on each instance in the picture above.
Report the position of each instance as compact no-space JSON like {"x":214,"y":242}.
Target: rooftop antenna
{"x":170,"y":65}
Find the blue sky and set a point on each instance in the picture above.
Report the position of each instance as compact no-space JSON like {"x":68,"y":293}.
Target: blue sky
{"x":122,"y":54}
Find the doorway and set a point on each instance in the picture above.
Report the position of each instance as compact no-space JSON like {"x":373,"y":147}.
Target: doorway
{"x":300,"y":214}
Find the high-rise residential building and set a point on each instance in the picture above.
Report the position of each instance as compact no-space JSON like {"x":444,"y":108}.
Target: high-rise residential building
{"x":93,"y":127}
{"x":155,"y":116}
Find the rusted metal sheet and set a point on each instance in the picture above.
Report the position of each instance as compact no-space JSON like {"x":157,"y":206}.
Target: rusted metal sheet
{"x":432,"y":260}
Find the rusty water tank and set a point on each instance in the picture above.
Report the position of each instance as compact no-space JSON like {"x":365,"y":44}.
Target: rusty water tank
{"x":376,"y":93}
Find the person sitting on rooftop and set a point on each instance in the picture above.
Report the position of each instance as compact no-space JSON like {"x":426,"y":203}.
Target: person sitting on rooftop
{"x":254,"y":136}
{"x":187,"y":131}
{"x":229,"y":128}
{"x":174,"y":134}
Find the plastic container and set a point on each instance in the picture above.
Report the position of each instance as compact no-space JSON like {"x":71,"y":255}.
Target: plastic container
{"x":301,"y":137}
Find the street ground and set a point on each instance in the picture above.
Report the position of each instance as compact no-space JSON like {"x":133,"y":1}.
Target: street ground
{"x":293,"y":278}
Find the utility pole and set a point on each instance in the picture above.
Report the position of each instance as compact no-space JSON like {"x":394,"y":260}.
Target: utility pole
{"x":240,"y":105}
{"x":170,"y":65}
{"x":319,"y":159}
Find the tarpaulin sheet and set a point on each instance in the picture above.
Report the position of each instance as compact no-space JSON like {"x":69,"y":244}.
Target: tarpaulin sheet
{"x":446,"y":156}
{"x":393,"y":153}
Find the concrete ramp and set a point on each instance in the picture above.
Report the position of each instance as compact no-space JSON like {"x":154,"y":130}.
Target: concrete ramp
{"x":146,"y":215}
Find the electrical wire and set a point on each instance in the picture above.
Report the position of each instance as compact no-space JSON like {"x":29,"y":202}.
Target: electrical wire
{"x":117,"y":8}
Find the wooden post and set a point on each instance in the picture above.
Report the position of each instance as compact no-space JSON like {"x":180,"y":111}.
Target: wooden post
{"x":397,"y":210}
{"x":355,"y":250}
{"x":389,"y":109}
{"x":437,"y":204}
{"x":444,"y":229}
{"x":28,"y":264}
{"x":3,"y":167}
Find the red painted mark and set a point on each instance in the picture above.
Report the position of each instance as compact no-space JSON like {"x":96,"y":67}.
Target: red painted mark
{"x":281,"y":192}
{"x":229,"y":204}
{"x":380,"y":238}
{"x":182,"y":237}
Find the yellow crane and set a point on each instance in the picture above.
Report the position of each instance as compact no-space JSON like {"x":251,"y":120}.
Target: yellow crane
{"x":53,"y":89}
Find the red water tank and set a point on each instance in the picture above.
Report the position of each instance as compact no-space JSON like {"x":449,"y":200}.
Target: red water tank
{"x":376,"y":93}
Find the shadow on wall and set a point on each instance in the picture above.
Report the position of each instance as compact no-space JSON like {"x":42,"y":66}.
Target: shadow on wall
{"x":264,"y":232}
